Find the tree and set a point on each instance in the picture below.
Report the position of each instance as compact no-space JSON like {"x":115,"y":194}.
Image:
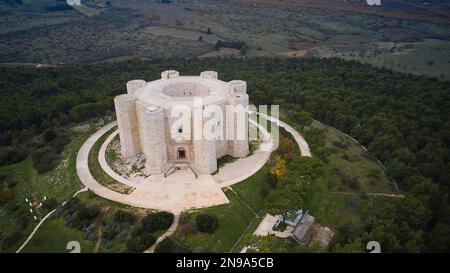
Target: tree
{"x":243,"y":49}
{"x":303,"y":119}
{"x":5,"y":196}
{"x":49,"y":135}
{"x":169,"y":245}
{"x":279,"y":170}
{"x":200,"y":38}
{"x":49,"y":204}
{"x":438,"y":240}
{"x":209,"y":32}
{"x":122,"y":216}
{"x":157,"y":221}
{"x":206,"y":222}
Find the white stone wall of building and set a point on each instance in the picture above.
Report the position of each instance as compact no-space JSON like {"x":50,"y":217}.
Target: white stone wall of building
{"x":153,"y":137}
{"x":128,"y":125}
{"x":145,"y":122}
{"x":169,"y":74}
{"x":238,"y":87}
{"x":205,"y":156}
{"x":239,"y":146}
{"x":209,"y":75}
{"x":134,"y":85}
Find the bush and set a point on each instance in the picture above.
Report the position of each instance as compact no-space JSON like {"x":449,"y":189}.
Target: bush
{"x":11,"y":155}
{"x":141,"y":243}
{"x":48,"y":135}
{"x":122,"y":216}
{"x":49,"y":204}
{"x":157,"y":221}
{"x":5,"y":196}
{"x":10,"y":183}
{"x":206,"y":223}
{"x":168,"y":245}
{"x":354,"y":184}
{"x":271,"y":181}
{"x":23,"y":221}
{"x":135,"y":245}
{"x":11,"y":239}
{"x":89,"y":212}
{"x":44,"y":159}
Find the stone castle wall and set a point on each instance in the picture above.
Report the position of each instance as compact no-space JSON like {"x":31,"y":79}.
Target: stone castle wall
{"x":144,"y":126}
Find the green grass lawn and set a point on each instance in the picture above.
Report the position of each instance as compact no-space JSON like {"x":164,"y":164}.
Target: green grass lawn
{"x":54,"y":236}
{"x":349,"y":160}
{"x":233,"y":219}
{"x":60,"y":183}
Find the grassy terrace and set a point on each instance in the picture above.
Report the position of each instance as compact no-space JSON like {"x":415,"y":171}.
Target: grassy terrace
{"x":99,"y":174}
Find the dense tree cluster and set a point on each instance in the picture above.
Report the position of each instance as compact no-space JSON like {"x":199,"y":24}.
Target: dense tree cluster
{"x":401,"y":119}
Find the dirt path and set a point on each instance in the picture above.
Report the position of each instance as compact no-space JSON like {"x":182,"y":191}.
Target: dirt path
{"x":98,"y":224}
{"x":45,"y":218}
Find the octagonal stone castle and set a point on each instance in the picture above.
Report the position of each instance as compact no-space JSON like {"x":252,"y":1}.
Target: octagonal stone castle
{"x":146,"y":122}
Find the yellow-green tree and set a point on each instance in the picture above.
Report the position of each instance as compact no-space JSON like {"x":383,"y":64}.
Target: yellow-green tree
{"x":279,"y":170}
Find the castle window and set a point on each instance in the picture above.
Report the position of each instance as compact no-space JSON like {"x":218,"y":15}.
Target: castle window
{"x":181,"y":153}
{"x":180,"y":130}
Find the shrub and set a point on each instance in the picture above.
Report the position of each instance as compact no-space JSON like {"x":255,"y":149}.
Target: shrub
{"x":122,"y":216}
{"x":49,"y":204}
{"x":141,"y":243}
{"x":271,"y":181}
{"x":23,"y":221}
{"x":48,"y":135}
{"x":5,"y":196}
{"x":168,"y":245}
{"x":206,"y":222}
{"x":135,"y":245}
{"x":11,"y":183}
{"x":157,"y":221}
{"x":354,"y":184}
{"x":44,"y":159}
{"x":11,"y":155}
{"x":89,"y":211}
{"x":11,"y":239}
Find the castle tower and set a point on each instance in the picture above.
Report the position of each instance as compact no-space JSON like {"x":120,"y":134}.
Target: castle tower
{"x":209,"y":75}
{"x":205,"y":156}
{"x":128,"y":126}
{"x":239,"y":99}
{"x":134,"y":85}
{"x":153,"y":137}
{"x":169,"y":74}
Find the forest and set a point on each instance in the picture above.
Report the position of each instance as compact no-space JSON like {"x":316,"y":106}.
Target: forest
{"x":402,"y":119}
